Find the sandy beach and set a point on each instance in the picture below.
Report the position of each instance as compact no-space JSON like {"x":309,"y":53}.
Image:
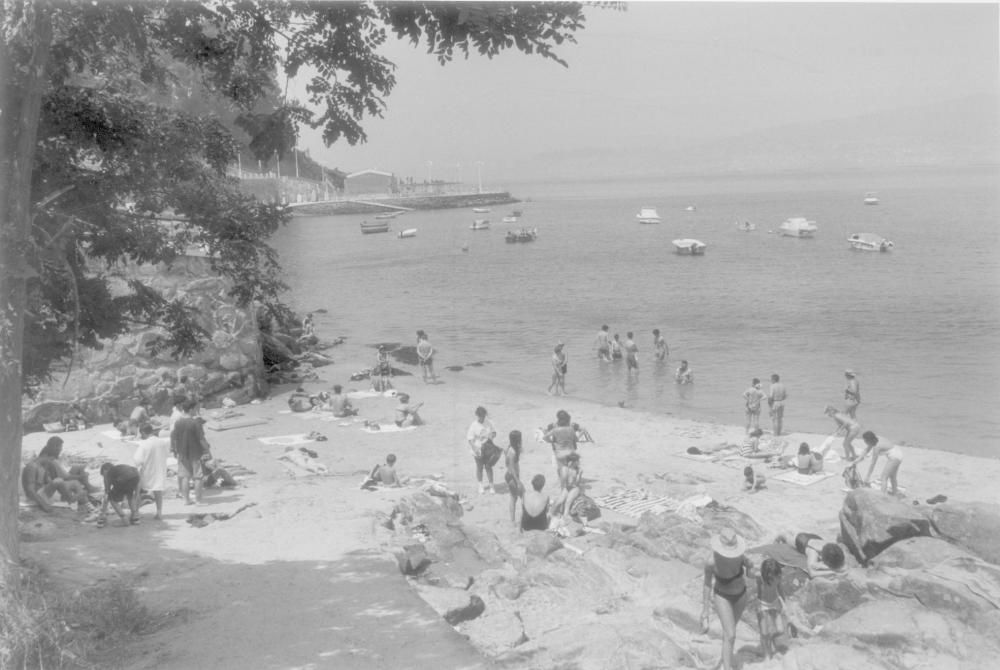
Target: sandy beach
{"x":306,"y":578}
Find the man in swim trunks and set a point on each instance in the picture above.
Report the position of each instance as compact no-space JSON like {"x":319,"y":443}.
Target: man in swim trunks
{"x":776,"y":396}
{"x":425,"y":352}
{"x":659,"y":345}
{"x":616,"y":348}
{"x":852,"y":393}
{"x":851,"y":428}
{"x":684,"y":374}
{"x":535,"y":506}
{"x":44,"y":476}
{"x":603,"y":344}
{"x":631,"y":353}
{"x":752,"y":397}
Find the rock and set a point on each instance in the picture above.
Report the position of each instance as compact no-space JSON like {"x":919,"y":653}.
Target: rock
{"x":871,"y":521}
{"x":412,"y":559}
{"x":421,"y":508}
{"x":917,"y":552}
{"x":274,"y":351}
{"x":233,"y":360}
{"x":48,"y":411}
{"x":974,"y":526}
{"x":673,"y":536}
{"x":829,"y":597}
{"x":540,"y":543}
{"x":496,"y":632}
{"x":827,"y":656}
{"x":468,"y":612}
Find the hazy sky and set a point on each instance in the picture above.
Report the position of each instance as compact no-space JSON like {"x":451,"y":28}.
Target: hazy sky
{"x":662,"y":71}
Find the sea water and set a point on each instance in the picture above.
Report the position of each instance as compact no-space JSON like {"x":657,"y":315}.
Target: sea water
{"x":920,"y":324}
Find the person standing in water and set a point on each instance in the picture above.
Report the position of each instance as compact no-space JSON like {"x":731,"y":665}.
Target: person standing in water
{"x":616,"y":348}
{"x":603,"y":344}
{"x":776,"y":396}
{"x":660,"y":346}
{"x":852,"y":394}
{"x":560,"y":364}
{"x":631,"y":353}
{"x":684,"y":374}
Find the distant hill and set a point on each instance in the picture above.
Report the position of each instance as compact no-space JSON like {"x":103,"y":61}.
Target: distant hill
{"x":954,"y":133}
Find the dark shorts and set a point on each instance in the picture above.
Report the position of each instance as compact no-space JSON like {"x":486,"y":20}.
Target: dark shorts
{"x":124,"y":488}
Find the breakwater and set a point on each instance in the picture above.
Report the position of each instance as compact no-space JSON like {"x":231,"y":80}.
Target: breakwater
{"x":373,"y":205}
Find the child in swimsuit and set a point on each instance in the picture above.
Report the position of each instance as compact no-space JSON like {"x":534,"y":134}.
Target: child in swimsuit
{"x":770,"y":605}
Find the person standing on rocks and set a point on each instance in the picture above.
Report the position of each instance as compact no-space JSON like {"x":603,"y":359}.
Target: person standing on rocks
{"x":776,"y":396}
{"x":480,"y":438}
{"x":725,"y":585}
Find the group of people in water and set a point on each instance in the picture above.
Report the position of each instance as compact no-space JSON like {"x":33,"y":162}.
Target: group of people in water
{"x":611,"y":348}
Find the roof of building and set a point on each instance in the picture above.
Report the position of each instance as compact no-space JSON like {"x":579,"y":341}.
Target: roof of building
{"x":366,"y":172}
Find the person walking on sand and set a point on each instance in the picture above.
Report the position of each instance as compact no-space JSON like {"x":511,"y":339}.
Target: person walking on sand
{"x":893,"y":455}
{"x":603,"y":344}
{"x":726,"y":573}
{"x":560,"y":364}
{"x":851,"y":428}
{"x":631,"y":353}
{"x":188,"y":443}
{"x":852,"y":393}
{"x":776,"y":396}
{"x":480,"y":438}
{"x":659,"y":346}
{"x":425,"y":352}
{"x":752,"y":398}
{"x":512,"y":459}
{"x":151,"y":460}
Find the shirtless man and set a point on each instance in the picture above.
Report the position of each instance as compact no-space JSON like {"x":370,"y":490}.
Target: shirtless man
{"x":684,"y":374}
{"x":603,"y":344}
{"x":340,"y":404}
{"x":44,"y":476}
{"x":659,"y":345}
{"x":385,"y":474}
{"x":425,"y":352}
{"x":631,"y":353}
{"x":851,"y":428}
{"x":752,"y":397}
{"x":852,"y":393}
{"x":406,"y":414}
{"x":776,"y":396}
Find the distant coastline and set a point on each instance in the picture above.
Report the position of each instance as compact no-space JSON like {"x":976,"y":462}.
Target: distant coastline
{"x":377,"y":204}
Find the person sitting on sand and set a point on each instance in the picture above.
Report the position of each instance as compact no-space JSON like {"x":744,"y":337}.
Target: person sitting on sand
{"x":823,"y":559}
{"x":562,"y":438}
{"x":751,"y":445}
{"x":44,"y":476}
{"x":512,"y":459}
{"x":807,"y":461}
{"x":753,"y":481}
{"x":384,"y":475}
{"x":616,"y":348}
{"x":214,"y":474}
{"x":406,"y":414}
{"x":893,"y":455}
{"x":382,"y":372}
{"x":339,"y":403}
{"x":851,"y":428}
{"x":300,"y":401}
{"x":684,"y":374}
{"x":121,"y":482}
{"x":535,"y":506}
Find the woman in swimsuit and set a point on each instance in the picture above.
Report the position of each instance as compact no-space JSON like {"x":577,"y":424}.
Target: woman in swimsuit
{"x":851,"y":428}
{"x":535,"y":506}
{"x":562,"y":438}
{"x":893,"y":455}
{"x":559,"y":366}
{"x":512,"y":459}
{"x":725,"y":584}
{"x":616,"y":348}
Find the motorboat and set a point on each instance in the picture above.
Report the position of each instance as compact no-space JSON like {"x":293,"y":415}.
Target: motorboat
{"x":869,"y":242}
{"x":522,"y":235}
{"x":480,"y":224}
{"x":510,"y":219}
{"x":369,"y":227}
{"x":688,"y":247}
{"x":871,"y":199}
{"x":481,"y":210}
{"x":388,"y":215}
{"x":647,"y":215}
{"x":409,"y":232}
{"x":745,"y":226}
{"x":690,"y":208}
{"x":798,"y":226}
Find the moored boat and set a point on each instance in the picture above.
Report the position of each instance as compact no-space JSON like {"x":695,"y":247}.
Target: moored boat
{"x":516,"y":212}
{"x":746,"y":226}
{"x":689,"y":247}
{"x":481,"y":210}
{"x":522,"y":235}
{"x":869,"y":242}
{"x":798,"y":226}
{"x":647,"y":215}
{"x":409,"y":232}
{"x":369,"y":227}
{"x":388,"y":215}
{"x":871,"y":198}
{"x":480,"y":224}
{"x":510,"y":219}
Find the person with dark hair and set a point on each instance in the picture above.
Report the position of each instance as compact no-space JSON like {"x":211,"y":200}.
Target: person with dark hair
{"x":44,"y":476}
{"x":560,"y":365}
{"x":852,"y":393}
{"x":616,"y":348}
{"x":188,"y":443}
{"x":851,"y":428}
{"x":151,"y":459}
{"x":752,"y":398}
{"x":753,"y":481}
{"x":893,"y":459}
{"x":659,"y":346}
{"x":121,"y":482}
{"x":300,"y":400}
{"x":382,"y":372}
{"x":776,"y":396}
{"x":823,"y":559}
{"x":684,"y":374}
{"x":480,"y":439}
{"x":562,"y":437}
{"x":770,"y":605}
{"x":725,"y":585}
{"x":512,"y":459}
{"x":425,"y":353}
{"x":138,"y":417}
{"x":535,"y":506}
{"x":406,"y":414}
{"x":571,"y":483}
{"x":340,"y":404}
{"x":631,"y":353}
{"x":807,"y":461}
{"x":603,"y":344}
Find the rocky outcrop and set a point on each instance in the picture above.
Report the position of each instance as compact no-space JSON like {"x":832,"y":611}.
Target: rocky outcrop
{"x":871,"y":522}
{"x":974,"y":526}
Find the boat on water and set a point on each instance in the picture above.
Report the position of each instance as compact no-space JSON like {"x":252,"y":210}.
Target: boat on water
{"x":388,"y":215}
{"x":522,"y":235}
{"x":481,"y":210}
{"x":745,"y":226}
{"x":869,"y":242}
{"x":798,"y":226}
{"x":480,"y":224}
{"x":516,"y":213}
{"x":409,"y":232}
{"x":369,"y":227}
{"x":689,"y":247}
{"x":647,"y":215}
{"x":510,"y":219}
{"x":871,"y":198}
{"x":690,"y":208}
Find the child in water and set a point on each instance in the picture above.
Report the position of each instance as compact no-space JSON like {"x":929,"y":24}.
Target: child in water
{"x":770,"y":605}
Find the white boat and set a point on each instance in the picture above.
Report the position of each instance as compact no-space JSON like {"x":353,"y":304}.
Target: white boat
{"x":871,"y":199}
{"x":647,"y":215}
{"x":869,"y":242}
{"x":510,"y":219}
{"x":689,"y":247}
{"x":388,"y":215}
{"x":409,"y":232}
{"x":798,"y":226}
{"x":690,"y":208}
{"x":369,"y":227}
{"x":480,"y":224}
{"x":746,"y":226}
{"x":481,"y":210}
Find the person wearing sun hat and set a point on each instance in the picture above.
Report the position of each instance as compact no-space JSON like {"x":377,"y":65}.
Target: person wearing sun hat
{"x":852,"y":393}
{"x":725,"y":585}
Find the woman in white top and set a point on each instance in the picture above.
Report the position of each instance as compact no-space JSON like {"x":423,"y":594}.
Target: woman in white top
{"x":480,"y":438}
{"x":893,"y":456}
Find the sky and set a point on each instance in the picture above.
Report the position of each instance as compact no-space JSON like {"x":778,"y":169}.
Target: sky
{"x":664,"y":72}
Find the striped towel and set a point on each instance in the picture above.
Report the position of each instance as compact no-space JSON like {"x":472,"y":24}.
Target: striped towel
{"x":636,"y":502}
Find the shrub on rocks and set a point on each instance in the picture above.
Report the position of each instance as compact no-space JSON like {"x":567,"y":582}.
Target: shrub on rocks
{"x":871,"y":521}
{"x":974,"y":526}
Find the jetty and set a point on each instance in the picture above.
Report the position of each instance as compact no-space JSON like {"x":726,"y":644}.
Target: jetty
{"x":402,"y":203}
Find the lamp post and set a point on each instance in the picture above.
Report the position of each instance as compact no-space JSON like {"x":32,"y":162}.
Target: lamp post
{"x":479,"y":173}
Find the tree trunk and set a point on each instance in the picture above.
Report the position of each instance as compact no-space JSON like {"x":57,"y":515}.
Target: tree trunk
{"x":24,"y":52}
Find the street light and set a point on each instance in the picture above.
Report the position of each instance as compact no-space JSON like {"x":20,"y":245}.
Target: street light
{"x":479,"y":172}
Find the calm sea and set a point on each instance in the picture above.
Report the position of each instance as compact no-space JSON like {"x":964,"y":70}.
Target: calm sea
{"x":921,"y":324}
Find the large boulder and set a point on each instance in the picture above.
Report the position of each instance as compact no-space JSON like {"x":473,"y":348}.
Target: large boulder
{"x":871,"y":521}
{"x":974,"y":526}
{"x":674,"y":536}
{"x":917,"y":552}
{"x":540,"y":544}
{"x":827,"y":656}
{"x":824,"y":598}
{"x":48,"y":411}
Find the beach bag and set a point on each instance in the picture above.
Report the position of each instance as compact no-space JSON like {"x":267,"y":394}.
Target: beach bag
{"x":852,"y":479}
{"x":490,"y":453}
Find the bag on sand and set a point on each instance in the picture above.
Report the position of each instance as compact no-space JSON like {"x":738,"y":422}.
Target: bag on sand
{"x":490,"y":453}
{"x":852,"y":479}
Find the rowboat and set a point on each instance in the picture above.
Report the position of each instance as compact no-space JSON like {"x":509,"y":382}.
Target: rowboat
{"x":369,"y":227}
{"x":481,"y":210}
{"x":510,"y":219}
{"x":409,"y":232}
{"x":388,"y":215}
{"x":647,"y":215}
{"x":689,"y":247}
{"x":869,"y":242}
{"x":746,"y":226}
{"x":871,"y":199}
{"x":480,"y":224}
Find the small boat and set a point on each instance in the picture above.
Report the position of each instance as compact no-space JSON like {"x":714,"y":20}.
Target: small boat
{"x":522,"y":235}
{"x":480,"y":224}
{"x":516,"y":213}
{"x":690,"y":208}
{"x":481,"y":210}
{"x":409,"y":232}
{"x":745,"y":226}
{"x":798,"y":226}
{"x":369,"y":227}
{"x":388,"y":215}
{"x":689,"y":247}
{"x":647,"y":215}
{"x":510,"y":219}
{"x":869,"y":242}
{"x":871,"y":198}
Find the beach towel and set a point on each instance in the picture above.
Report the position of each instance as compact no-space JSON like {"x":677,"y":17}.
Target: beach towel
{"x":387,"y":428}
{"x":287,"y":440}
{"x":391,"y":393}
{"x":297,"y":462}
{"x":796,"y":477}
{"x":636,"y":502}
{"x":235,"y":422}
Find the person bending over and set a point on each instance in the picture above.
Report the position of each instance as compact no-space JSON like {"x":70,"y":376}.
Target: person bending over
{"x":121,"y":482}
{"x":406,"y":414}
